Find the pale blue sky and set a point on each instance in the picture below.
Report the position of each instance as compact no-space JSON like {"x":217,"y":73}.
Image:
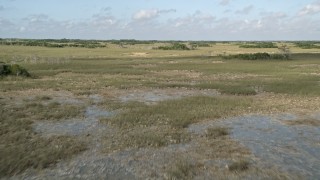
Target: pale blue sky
{"x":161,"y":19}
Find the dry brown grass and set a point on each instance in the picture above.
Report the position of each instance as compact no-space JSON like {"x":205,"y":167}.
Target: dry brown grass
{"x":241,"y":165}
{"x":215,"y":132}
{"x":21,"y":148}
{"x":307,"y":122}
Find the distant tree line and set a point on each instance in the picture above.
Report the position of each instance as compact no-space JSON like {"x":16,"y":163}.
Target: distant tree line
{"x":258,"y":56}
{"x":174,"y":46}
{"x":308,"y":44}
{"x":201,"y":43}
{"x":52,"y":43}
{"x":258,"y":45}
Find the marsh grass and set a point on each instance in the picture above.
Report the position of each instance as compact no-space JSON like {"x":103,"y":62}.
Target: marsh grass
{"x":164,"y":123}
{"x":229,"y":89}
{"x":21,"y":148}
{"x":137,"y":125}
{"x":182,"y":169}
{"x":43,"y":98}
{"x":215,"y":132}
{"x":239,"y":166}
{"x":182,"y":112}
{"x":145,"y":137}
{"x":307,"y":122}
{"x":80,"y":71}
{"x":51,"y":111}
{"x":305,"y":85}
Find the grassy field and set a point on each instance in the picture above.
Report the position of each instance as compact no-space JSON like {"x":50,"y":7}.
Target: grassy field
{"x":242,"y":87}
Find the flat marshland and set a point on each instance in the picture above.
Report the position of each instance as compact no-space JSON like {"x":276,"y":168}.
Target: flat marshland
{"x":138,"y":112}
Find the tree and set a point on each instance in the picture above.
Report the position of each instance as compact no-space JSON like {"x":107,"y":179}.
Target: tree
{"x":285,"y":51}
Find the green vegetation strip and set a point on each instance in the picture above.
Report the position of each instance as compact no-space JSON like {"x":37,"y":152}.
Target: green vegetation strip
{"x":258,"y":56}
{"x":258,"y":45}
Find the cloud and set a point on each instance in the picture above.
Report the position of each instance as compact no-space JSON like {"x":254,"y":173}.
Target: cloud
{"x":106,"y":9}
{"x":146,"y":14}
{"x":146,"y":24}
{"x":102,"y":23}
{"x":37,"y":18}
{"x":198,"y":19}
{"x":224,"y":2}
{"x":310,"y":9}
{"x":150,"y":13}
{"x":245,"y":10}
{"x":5,"y":23}
{"x":1,"y":8}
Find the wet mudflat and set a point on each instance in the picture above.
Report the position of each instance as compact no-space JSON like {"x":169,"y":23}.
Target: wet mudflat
{"x":74,"y":126}
{"x":275,"y":142}
{"x":279,"y":144}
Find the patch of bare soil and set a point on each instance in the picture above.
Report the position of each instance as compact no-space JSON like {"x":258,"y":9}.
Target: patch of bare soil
{"x":305,"y":65}
{"x":218,"y":62}
{"x":230,"y":76}
{"x":276,"y":103}
{"x":179,"y":73}
{"x":139,"y":54}
{"x":313,"y":74}
{"x":144,"y":65}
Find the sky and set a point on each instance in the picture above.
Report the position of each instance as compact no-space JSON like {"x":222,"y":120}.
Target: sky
{"x":219,"y":20}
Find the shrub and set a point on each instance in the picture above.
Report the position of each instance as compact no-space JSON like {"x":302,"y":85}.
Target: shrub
{"x":174,"y":46}
{"x":215,"y":132}
{"x":259,"y":45}
{"x":258,"y":56}
{"x":4,"y":69}
{"x":238,"y":166}
{"x":14,"y":69}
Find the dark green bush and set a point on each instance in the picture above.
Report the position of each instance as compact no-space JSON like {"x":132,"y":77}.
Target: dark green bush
{"x":14,"y":69}
{"x":259,"y":45}
{"x":258,"y":56}
{"x":174,"y":46}
{"x":4,"y":69}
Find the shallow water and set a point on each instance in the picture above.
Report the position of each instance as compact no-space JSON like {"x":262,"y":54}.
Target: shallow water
{"x":162,"y":95}
{"x":94,"y":112}
{"x":294,"y":149}
{"x":74,"y":126}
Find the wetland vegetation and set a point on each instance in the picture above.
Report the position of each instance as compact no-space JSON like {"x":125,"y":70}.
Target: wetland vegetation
{"x":155,"y":96}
